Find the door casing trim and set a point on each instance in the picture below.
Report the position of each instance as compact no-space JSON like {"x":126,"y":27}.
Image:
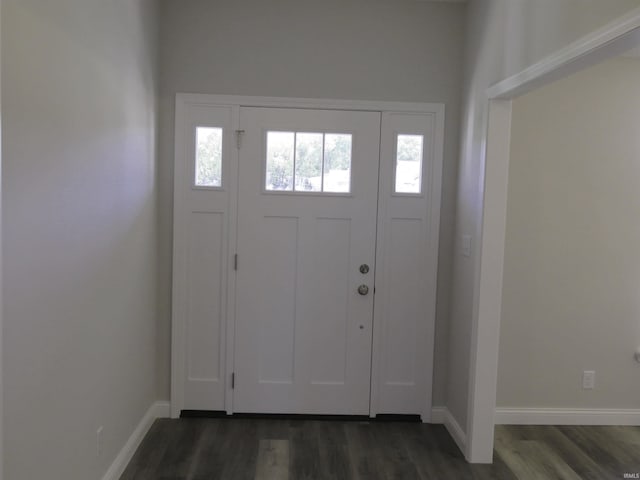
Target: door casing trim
{"x":310,"y":103}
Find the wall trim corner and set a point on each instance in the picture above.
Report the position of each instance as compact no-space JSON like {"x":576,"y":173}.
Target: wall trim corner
{"x":118,"y":466}
{"x":442,"y":416}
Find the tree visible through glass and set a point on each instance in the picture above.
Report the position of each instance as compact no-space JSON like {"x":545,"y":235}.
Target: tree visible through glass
{"x":308,"y":162}
{"x":409,"y":164}
{"x":208,"y":157}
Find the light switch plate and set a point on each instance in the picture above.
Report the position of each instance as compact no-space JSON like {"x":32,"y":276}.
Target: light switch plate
{"x":588,"y":380}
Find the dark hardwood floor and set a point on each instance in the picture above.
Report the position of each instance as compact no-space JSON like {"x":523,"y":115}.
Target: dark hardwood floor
{"x":275,"y":449}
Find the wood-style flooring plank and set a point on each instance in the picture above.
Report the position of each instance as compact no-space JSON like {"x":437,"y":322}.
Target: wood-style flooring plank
{"x":334,"y":451}
{"x":364,"y":464}
{"x":433,"y":452}
{"x":282,"y":449}
{"x":571,"y":453}
{"x":181,"y":450}
{"x":273,"y":460}
{"x":498,"y":470}
{"x":397,"y":464}
{"x":207,"y":461}
{"x":240,"y":449}
{"x":151,"y":451}
{"x":606,"y":449}
{"x":532,"y":459}
{"x":304,"y":451}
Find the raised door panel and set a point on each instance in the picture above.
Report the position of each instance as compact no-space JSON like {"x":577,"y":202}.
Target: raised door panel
{"x":205,"y":379}
{"x":329,"y":305}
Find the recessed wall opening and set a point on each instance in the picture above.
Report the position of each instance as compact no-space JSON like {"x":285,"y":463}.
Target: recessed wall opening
{"x":494,"y":264}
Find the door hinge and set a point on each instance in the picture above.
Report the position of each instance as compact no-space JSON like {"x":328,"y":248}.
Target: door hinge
{"x":239,"y":135}
{"x":235,"y":262}
{"x":233,"y":380}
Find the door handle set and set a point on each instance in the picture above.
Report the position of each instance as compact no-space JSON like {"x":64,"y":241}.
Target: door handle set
{"x":363,"y":289}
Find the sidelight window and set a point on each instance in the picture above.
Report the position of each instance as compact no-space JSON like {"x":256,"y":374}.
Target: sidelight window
{"x":408,"y":171}
{"x":208,"y":171}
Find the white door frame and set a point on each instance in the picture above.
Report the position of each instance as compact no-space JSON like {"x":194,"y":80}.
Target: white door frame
{"x":178,"y":340}
{"x":607,"y":42}
{"x":1,"y":328}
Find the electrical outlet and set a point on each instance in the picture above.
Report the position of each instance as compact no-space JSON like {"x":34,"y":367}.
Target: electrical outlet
{"x":588,"y":380}
{"x":99,"y":441}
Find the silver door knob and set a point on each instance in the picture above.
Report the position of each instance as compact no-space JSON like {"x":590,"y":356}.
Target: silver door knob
{"x":363,"y":289}
{"x":364,"y":269}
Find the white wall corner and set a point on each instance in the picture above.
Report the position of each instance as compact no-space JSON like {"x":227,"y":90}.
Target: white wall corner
{"x":1,"y":317}
{"x":117,"y":468}
{"x":485,"y":342}
{"x":567,"y":416}
{"x":442,"y":416}
{"x":161,"y":409}
{"x":437,"y":415}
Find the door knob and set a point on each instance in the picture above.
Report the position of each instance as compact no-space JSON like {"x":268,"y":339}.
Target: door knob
{"x":364,"y":268}
{"x":363,"y":289}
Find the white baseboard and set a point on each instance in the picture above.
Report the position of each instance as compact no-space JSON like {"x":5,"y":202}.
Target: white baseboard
{"x":156,"y":410}
{"x":442,"y":415}
{"x":566,"y":416}
{"x":437,"y":415}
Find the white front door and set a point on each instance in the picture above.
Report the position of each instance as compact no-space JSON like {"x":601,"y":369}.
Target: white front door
{"x":307,"y":210}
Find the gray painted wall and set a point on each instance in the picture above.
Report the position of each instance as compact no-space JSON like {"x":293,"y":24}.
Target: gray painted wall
{"x":79,"y":231}
{"x":357,"y":49}
{"x":571,"y":272}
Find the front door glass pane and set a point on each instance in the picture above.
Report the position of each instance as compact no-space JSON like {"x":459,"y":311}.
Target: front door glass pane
{"x":308,"y":162}
{"x":280,"y":146}
{"x":337,"y":162}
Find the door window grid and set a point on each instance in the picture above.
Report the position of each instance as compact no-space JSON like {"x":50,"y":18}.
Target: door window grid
{"x":308,"y":162}
{"x":208,"y":157}
{"x":408,"y":164}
